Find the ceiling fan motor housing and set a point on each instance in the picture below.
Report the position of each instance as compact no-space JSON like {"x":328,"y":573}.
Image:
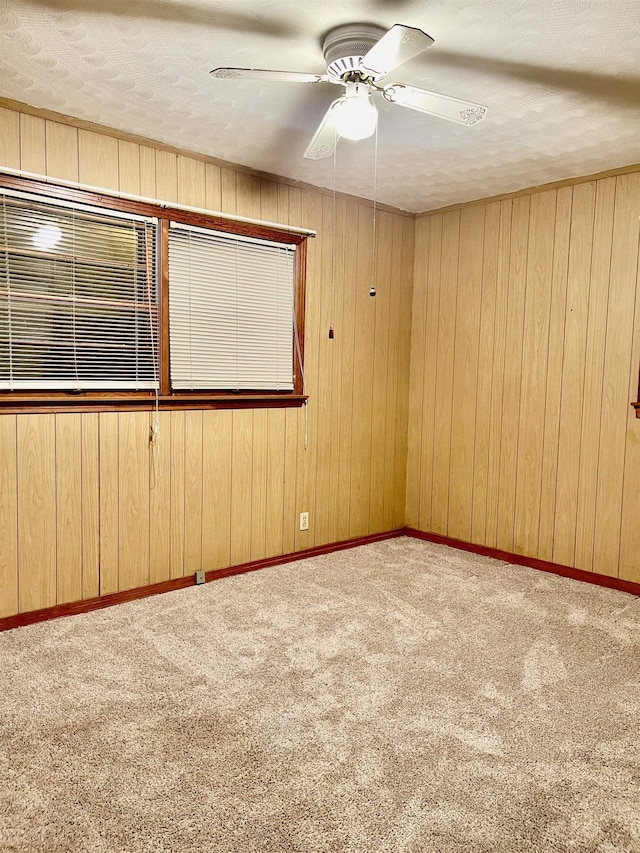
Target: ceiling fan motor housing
{"x":344,"y":47}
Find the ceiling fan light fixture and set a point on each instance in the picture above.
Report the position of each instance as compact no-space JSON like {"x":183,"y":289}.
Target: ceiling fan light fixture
{"x":356,"y":116}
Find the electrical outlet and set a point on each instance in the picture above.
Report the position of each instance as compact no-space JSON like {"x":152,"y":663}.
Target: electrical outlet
{"x":304,"y":521}
{"x":199,"y":577}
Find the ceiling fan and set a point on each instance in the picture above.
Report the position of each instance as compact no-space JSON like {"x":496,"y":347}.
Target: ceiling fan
{"x":359,"y":57}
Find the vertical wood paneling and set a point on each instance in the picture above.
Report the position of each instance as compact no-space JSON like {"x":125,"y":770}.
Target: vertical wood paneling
{"x":217,"y":436}
{"x":241,"y":487}
{"x":176,"y":489}
{"x":383,"y":405}
{"x":307,"y":207}
{"x":444,"y":377}
{"x":147,"y":171}
{"x":290,"y":502}
{"x":575,"y":334}
{"x":485,"y":371}
{"x":160,"y":499}
{"x":36,"y":477}
{"x":345,"y":335}
{"x":223,"y":487}
{"x":212,"y":187}
{"x":512,"y":387}
{"x":430,"y":387}
{"x":393,"y":235}
{"x":403,"y":272}
{"x":362,"y":381}
{"x":68,"y":457}
{"x":534,"y":372}
{"x":128,"y":167}
{"x":292,"y":417}
{"x":8,"y":516}
{"x":97,"y":160}
{"x":417,"y":403}
{"x":324,"y":347}
{"x":557,"y":447}
{"x":193,"y":493}
{"x":594,"y":364}
{"x":90,"y":505}
{"x":497,"y":379}
{"x":553,"y":399}
{"x":61,"y":151}
{"x":465,"y":372}
{"x":259,"y":462}
{"x":166,"y":176}
{"x":32,"y":144}
{"x":630,"y":528}
{"x":133,"y":499}
{"x":191,"y":182}
{"x":9,"y":138}
{"x":109,"y":512}
{"x":274,"y":511}
{"x":615,"y":385}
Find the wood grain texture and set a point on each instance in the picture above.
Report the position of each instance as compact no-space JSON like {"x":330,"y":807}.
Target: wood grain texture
{"x":362,"y":381}
{"x":68,"y":457}
{"x":176,"y":488}
{"x":446,"y":329}
{"x":36,"y":478}
{"x":10,"y":138}
{"x":485,"y":372}
{"x":557,"y":449}
{"x":32,"y":144}
{"x":403,"y":278}
{"x":160,"y":498}
{"x":465,"y":373}
{"x":90,"y":505}
{"x":573,"y":367}
{"x":61,"y":151}
{"x":9,"y":565}
{"x":109,"y":502}
{"x":534,"y":372}
{"x":555,"y":353}
{"x":241,"y":486}
{"x":98,"y":164}
{"x":615,"y":381}
{"x":133,"y":499}
{"x":512,"y":377}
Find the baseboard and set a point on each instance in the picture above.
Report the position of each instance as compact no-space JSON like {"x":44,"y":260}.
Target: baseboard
{"x":75,"y":607}
{"x":531,"y":562}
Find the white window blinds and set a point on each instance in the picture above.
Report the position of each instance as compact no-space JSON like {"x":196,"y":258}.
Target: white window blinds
{"x":78,"y":297}
{"x":230,"y":311}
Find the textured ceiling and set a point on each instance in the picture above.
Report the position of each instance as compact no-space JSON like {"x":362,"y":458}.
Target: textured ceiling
{"x":561,"y":79}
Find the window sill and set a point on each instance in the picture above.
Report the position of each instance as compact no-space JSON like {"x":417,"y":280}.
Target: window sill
{"x":127,"y":403}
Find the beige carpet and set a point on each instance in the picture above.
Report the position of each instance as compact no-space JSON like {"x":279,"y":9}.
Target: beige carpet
{"x":401,"y":696}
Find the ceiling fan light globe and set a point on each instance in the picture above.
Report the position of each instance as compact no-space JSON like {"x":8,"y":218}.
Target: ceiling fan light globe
{"x":356,"y":118}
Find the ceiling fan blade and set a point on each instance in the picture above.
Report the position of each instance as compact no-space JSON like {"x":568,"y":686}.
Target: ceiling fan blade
{"x":623,"y":89}
{"x":326,"y":136}
{"x":175,"y":11}
{"x":267,"y":74}
{"x":432,"y":103}
{"x":397,"y":46}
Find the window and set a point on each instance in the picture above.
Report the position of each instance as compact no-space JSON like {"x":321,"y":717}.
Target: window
{"x":112,"y":303}
{"x":223,"y":331}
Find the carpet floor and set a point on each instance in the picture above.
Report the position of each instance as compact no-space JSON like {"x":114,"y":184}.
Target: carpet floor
{"x":400,"y":696}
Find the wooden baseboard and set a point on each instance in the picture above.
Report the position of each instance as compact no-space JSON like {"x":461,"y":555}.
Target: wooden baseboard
{"x":75,"y":607}
{"x":531,"y":562}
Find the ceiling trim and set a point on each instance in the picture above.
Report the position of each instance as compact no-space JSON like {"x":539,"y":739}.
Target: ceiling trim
{"x":82,"y":124}
{"x":539,"y":188}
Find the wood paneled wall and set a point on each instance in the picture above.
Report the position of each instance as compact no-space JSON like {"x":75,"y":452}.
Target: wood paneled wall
{"x":525,"y":358}
{"x":88,"y":507}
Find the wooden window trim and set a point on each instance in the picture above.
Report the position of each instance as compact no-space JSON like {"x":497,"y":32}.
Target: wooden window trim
{"x":17,"y":402}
